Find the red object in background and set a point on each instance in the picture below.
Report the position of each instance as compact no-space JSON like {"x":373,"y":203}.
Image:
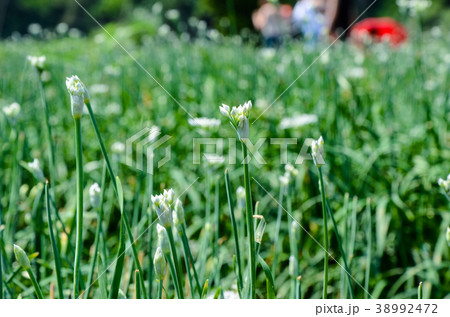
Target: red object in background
{"x":379,"y":29}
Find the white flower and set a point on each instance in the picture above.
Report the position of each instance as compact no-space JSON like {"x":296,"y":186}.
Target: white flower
{"x":95,"y":195}
{"x":118,"y":147}
{"x":163,"y":238}
{"x":238,"y":117}
{"x":291,"y":170}
{"x":317,"y":151}
{"x":240,"y":194}
{"x":413,"y":7}
{"x":159,"y":263}
{"x":285,"y":180}
{"x":178,"y":213}
{"x":37,"y":61}
{"x":297,"y":121}
{"x":36,"y":170}
{"x":12,"y":112}
{"x":445,"y":184}
{"x":204,"y":123}
{"x":78,"y":95}
{"x":214,"y":159}
{"x":448,"y":236}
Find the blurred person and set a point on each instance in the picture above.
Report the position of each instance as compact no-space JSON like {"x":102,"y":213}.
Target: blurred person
{"x":273,"y":21}
{"x":314,"y":19}
{"x":308,"y":19}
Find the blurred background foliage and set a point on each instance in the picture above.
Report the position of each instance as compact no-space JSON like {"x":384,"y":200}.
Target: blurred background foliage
{"x":228,"y":16}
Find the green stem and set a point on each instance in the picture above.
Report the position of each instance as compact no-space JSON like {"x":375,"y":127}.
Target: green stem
{"x":419,"y":291}
{"x":186,"y":263}
{"x":178,"y":272}
{"x":37,"y":288}
{"x":97,"y":232}
{"x":276,"y":239}
{"x":235,"y":230}
{"x":369,"y":249}
{"x":51,"y":157}
{"x":216,"y":232}
{"x":137,"y":285}
{"x":292,"y":244}
{"x":250,"y":228}
{"x":54,"y":246}
{"x":115,"y":285}
{"x":341,"y":249}
{"x":173,"y":273}
{"x":298,"y":294}
{"x":114,"y":182}
{"x":160,"y":289}
{"x":325,"y":231}
{"x":79,"y":224}
{"x":191,"y":258}
{"x":1,"y":270}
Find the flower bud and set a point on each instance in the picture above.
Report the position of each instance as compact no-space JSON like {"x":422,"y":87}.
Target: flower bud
{"x":292,"y":266}
{"x":159,"y":263}
{"x":35,"y":169}
{"x":224,"y":110}
{"x":178,"y":213}
{"x":445,"y":184}
{"x":22,"y":257}
{"x":95,"y":195}
{"x":260,"y":230}
{"x":163,"y":238}
{"x":295,"y":228}
{"x":78,"y":95}
{"x":169,"y":195}
{"x":317,"y":151}
{"x":157,"y":200}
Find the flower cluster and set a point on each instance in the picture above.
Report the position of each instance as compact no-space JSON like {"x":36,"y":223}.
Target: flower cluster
{"x":37,"y":62}
{"x":163,"y":206}
{"x":289,"y":175}
{"x":318,"y":152}
{"x":238,"y":117}
{"x":445,"y":184}
{"x":168,"y":209}
{"x":78,"y":95}
{"x":12,"y":112}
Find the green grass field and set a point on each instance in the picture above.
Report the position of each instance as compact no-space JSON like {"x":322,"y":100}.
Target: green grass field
{"x":383,"y":114}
